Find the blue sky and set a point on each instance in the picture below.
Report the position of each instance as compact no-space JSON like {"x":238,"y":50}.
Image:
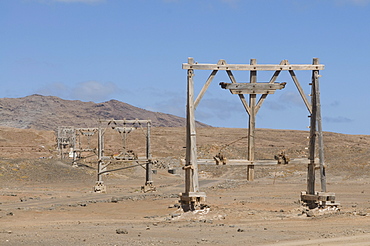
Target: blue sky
{"x":133,"y":50}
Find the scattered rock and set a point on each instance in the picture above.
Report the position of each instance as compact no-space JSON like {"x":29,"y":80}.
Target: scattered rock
{"x":7,"y":232}
{"x":362,"y":213}
{"x":175,"y":215}
{"x":121,"y":231}
{"x":310,"y":214}
{"x":151,"y":216}
{"x":114,"y":199}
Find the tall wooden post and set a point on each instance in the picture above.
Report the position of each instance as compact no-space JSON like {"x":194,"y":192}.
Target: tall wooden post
{"x":100,"y":154}
{"x":315,"y":81}
{"x":99,"y":186}
{"x":191,"y":148}
{"x":148,"y":181}
{"x":311,"y":198}
{"x":59,"y":142}
{"x":312,"y":144}
{"x":191,"y":197}
{"x":74,"y":147}
{"x":252,"y":124}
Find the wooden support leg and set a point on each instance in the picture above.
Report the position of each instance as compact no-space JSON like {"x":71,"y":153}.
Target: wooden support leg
{"x":311,"y":198}
{"x":99,"y":185}
{"x":252,"y":124}
{"x":250,"y":172}
{"x":191,"y":198}
{"x":148,"y":180}
{"x":74,"y":162}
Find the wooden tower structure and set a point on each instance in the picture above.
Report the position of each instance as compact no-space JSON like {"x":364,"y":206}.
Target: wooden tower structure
{"x":123,"y":127}
{"x":193,"y":197}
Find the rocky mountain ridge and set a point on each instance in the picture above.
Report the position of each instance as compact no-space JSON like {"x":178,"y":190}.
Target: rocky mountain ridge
{"x":49,"y":112}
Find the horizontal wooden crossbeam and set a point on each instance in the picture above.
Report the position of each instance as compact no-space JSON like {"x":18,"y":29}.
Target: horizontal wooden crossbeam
{"x":244,"y":162}
{"x":257,"y":67}
{"x":136,"y":121}
{"x":87,"y":129}
{"x":253,"y":88}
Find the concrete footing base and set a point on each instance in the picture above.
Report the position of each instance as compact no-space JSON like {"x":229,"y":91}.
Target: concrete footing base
{"x":148,"y":187}
{"x":191,"y":201}
{"x":320,"y":200}
{"x":100,"y":187}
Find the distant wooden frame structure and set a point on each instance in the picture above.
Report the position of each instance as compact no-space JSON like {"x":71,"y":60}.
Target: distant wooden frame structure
{"x":123,"y":127}
{"x":66,"y":138}
{"x":78,"y":148}
{"x":192,"y":197}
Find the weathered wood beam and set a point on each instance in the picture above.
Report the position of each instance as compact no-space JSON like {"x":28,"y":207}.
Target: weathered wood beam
{"x":191,"y":174}
{"x":87,"y":129}
{"x":256,"y":67}
{"x":252,"y":88}
{"x":315,"y":81}
{"x":252,"y":122}
{"x":124,"y":121}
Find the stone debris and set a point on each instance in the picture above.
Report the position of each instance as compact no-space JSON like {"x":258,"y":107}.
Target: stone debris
{"x":121,"y":231}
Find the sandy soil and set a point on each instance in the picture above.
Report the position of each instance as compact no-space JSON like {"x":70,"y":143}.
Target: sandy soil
{"x":44,"y":201}
{"x":62,"y":209}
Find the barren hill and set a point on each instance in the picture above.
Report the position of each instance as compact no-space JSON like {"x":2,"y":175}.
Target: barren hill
{"x":48,"y":112}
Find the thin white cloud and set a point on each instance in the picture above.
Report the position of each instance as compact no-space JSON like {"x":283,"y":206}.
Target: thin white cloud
{"x":79,"y":1}
{"x":290,"y":98}
{"x":171,"y":103}
{"x":339,"y":119}
{"x":85,"y":91}
{"x":219,"y":108}
{"x":361,"y":2}
{"x":335,"y":104}
{"x":94,"y":91}
{"x":356,"y":2}
{"x":54,"y":89}
{"x":232,"y":3}
{"x":275,"y":105}
{"x":72,"y":1}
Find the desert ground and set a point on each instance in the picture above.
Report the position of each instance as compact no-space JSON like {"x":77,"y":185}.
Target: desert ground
{"x":46,"y":201}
